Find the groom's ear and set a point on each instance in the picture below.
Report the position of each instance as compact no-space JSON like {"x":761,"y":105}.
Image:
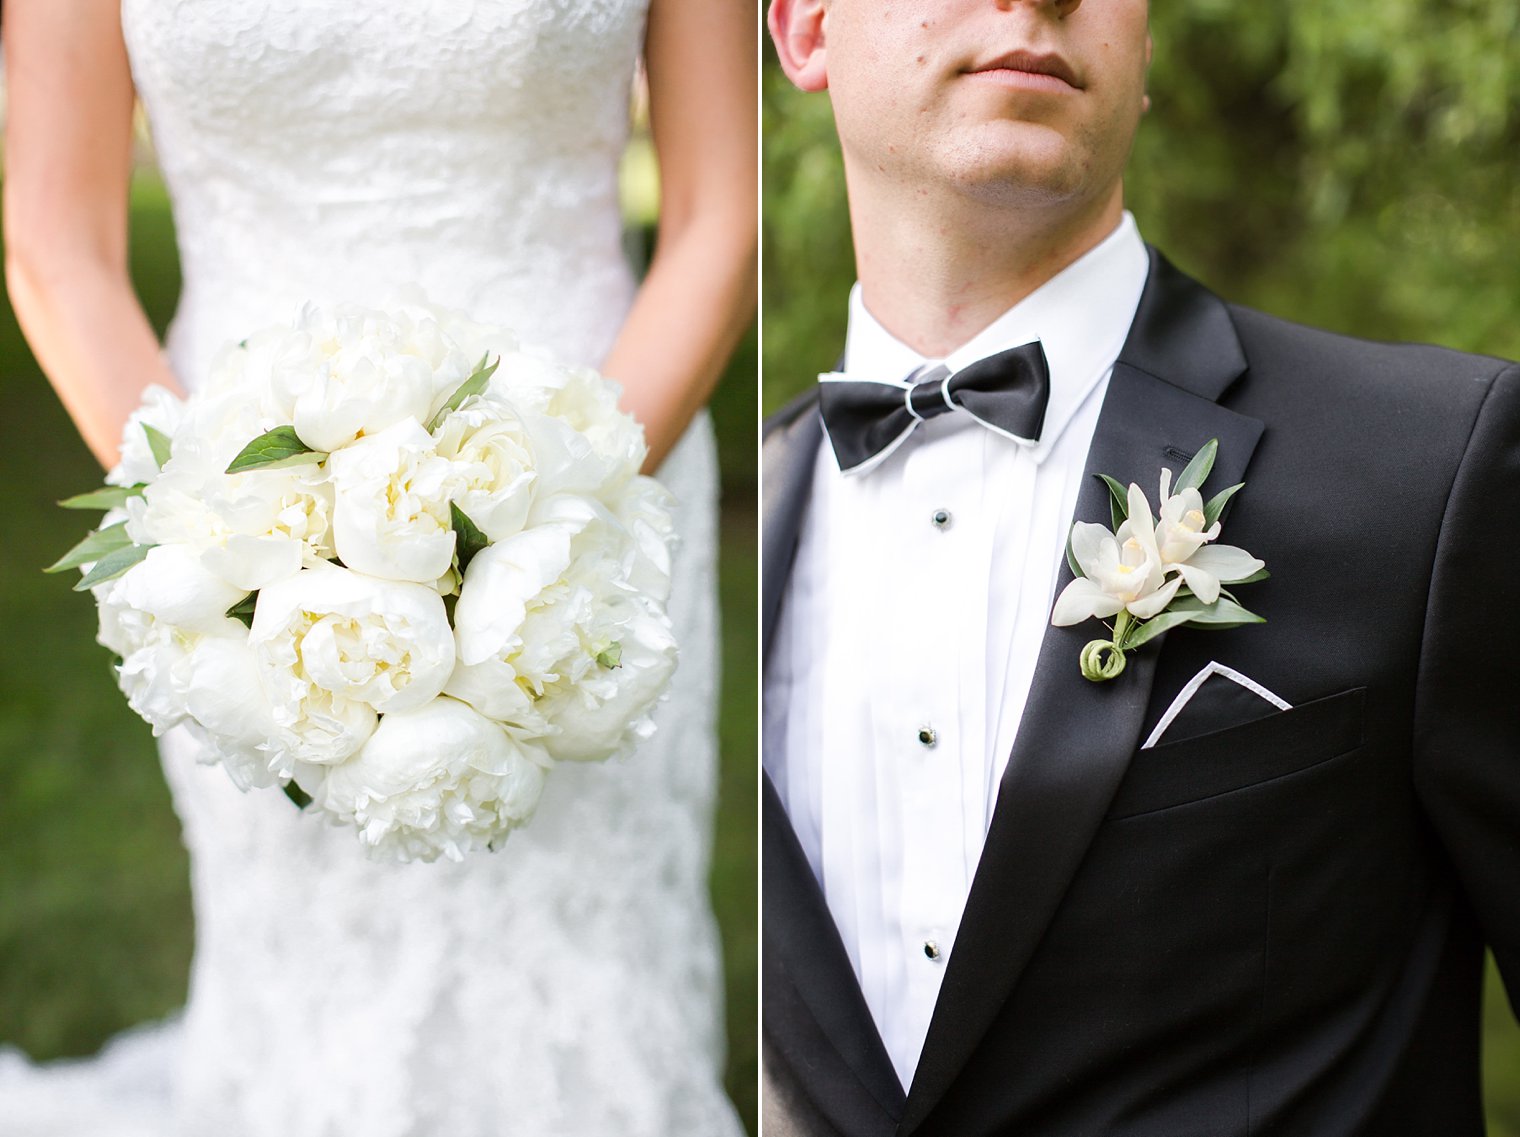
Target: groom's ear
{"x":797,"y":28}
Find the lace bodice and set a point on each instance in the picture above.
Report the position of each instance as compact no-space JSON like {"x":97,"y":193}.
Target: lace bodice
{"x":468,"y":147}
{"x":568,"y":985}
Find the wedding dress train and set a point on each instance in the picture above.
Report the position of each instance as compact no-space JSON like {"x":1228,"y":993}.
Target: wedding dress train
{"x":569,"y":985}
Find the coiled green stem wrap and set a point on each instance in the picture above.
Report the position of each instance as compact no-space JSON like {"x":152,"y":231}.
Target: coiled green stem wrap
{"x":1102,"y":659}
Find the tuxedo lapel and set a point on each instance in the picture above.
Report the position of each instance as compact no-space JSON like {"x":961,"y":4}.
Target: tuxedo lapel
{"x":807,"y":972}
{"x":787,"y":454}
{"x":1076,"y":737}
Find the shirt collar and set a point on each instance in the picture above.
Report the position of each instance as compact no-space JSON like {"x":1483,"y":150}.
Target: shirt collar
{"x":1081,"y":316}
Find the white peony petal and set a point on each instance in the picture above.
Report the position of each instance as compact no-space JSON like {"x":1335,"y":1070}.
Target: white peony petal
{"x":499,"y":584}
{"x":174,"y":586}
{"x":438,"y":780}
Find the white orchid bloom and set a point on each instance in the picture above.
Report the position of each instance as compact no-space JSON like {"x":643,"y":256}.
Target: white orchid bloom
{"x":1182,"y":529}
{"x":1122,"y":571}
{"x":1182,"y":538}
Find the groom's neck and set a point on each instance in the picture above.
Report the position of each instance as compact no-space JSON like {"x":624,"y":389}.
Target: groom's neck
{"x":936,"y":272}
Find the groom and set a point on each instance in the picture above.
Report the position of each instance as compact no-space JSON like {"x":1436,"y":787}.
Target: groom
{"x":1244,"y":886}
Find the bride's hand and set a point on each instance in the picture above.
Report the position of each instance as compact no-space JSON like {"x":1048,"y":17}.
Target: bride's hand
{"x":699,"y":294}
{"x":68,"y":164}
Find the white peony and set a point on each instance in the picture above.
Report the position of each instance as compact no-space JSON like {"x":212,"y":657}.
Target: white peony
{"x":356,"y":371}
{"x":335,"y":647}
{"x":493,"y":465}
{"x":174,"y":587}
{"x":583,"y":443}
{"x":164,"y":411}
{"x":554,"y":642}
{"x":391,"y":505}
{"x":164,"y":664}
{"x":437,"y":780}
{"x":231,"y":713}
{"x":250,"y":529}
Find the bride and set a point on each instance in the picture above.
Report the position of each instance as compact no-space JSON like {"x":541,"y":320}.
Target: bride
{"x":325,"y":150}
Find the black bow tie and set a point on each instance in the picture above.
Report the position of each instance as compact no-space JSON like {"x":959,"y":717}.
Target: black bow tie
{"x":1006,"y":392}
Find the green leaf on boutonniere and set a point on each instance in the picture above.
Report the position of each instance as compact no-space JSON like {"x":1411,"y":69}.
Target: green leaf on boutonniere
{"x":1155,"y":626}
{"x":275,"y":449}
{"x":1259,"y":574}
{"x":296,"y":794}
{"x":1118,"y":504}
{"x":1196,"y":472}
{"x":243,"y":609}
{"x":159,"y":443}
{"x":112,"y":565}
{"x":468,"y":539}
{"x":107,"y":497}
{"x":1223,"y":613}
{"x":1071,"y":557}
{"x":474,"y":385}
{"x":93,"y":547}
{"x":1216,"y":504}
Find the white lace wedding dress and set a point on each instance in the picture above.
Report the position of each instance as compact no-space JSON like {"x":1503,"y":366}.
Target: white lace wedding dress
{"x":569,"y":984}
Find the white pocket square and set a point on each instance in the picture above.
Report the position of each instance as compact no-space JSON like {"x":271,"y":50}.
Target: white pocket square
{"x":1195,"y":684}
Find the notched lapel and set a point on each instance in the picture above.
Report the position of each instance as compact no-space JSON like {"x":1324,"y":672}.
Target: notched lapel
{"x":1076,"y":737}
{"x":804,"y":961}
{"x":805,"y":957}
{"x":787,"y":454}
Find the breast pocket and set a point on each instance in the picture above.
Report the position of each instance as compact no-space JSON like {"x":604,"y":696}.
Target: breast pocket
{"x":1237,"y":757}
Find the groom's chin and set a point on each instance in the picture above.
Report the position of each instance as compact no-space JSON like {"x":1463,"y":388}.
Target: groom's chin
{"x":1024,"y":165}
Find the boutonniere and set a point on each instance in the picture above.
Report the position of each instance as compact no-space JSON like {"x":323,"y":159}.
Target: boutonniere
{"x":1153,"y":573}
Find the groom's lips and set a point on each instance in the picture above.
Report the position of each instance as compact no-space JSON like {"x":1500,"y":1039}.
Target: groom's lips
{"x":1028,"y":70}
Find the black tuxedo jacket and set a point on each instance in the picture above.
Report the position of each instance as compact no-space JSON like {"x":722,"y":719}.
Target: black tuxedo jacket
{"x":1273,"y":927}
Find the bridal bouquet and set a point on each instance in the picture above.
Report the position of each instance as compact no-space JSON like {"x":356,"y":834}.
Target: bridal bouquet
{"x":392,"y":562}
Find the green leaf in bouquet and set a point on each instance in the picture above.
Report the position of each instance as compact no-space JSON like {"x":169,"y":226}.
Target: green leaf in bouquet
{"x":112,"y":565}
{"x":476,"y":384}
{"x":243,"y":609}
{"x":107,"y":497}
{"x":611,"y":657}
{"x":296,"y":794}
{"x":158,"y":442}
{"x":1118,"y":505}
{"x":275,"y":449}
{"x":1196,"y":472}
{"x":93,"y":547}
{"x":468,"y":539}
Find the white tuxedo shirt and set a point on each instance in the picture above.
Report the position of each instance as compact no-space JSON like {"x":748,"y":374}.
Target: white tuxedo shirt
{"x":907,"y":638}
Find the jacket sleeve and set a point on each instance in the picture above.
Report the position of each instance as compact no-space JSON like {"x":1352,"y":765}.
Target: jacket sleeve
{"x":1467,"y":709}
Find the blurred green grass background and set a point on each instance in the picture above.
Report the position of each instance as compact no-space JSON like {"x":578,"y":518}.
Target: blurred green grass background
{"x":1351,"y":166}
{"x":95,"y":925}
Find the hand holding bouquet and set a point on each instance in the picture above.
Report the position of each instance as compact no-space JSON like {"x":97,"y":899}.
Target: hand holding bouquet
{"x":393,"y":562}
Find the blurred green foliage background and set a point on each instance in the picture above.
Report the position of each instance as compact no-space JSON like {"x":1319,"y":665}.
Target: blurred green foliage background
{"x":1352,"y":166}
{"x":95,"y":924}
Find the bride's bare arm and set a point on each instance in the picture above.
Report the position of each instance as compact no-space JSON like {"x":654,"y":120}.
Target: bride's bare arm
{"x":699,"y":293}
{"x":68,"y":148}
